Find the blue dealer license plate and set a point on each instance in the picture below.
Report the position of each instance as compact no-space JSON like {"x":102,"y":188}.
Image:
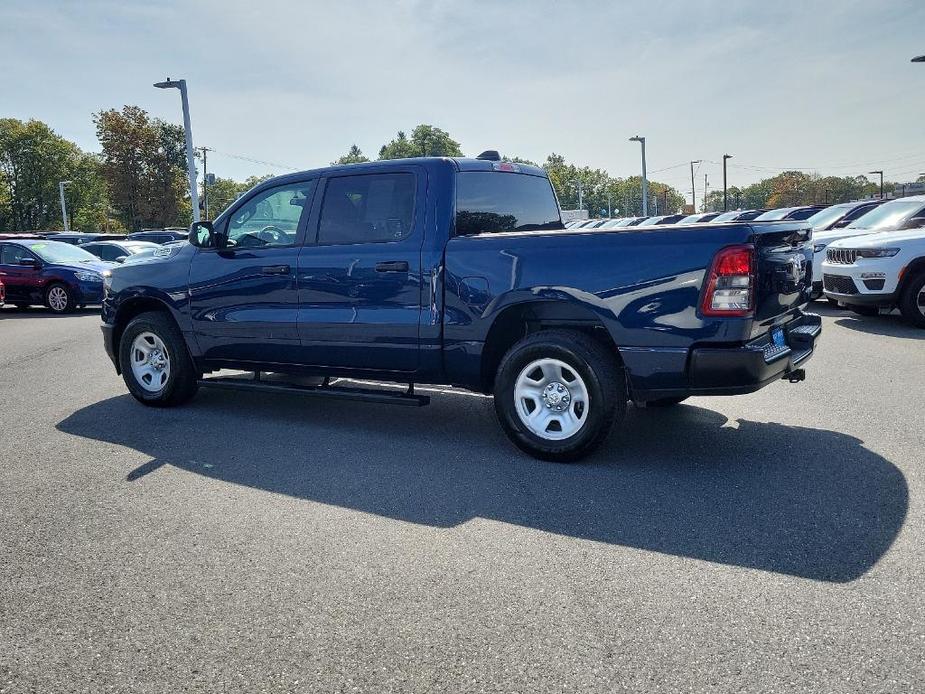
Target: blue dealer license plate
{"x":777,"y":337}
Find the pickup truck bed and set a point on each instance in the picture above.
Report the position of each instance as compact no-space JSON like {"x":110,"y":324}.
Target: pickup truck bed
{"x":458,"y":271}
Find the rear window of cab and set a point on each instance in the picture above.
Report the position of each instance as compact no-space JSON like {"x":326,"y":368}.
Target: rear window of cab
{"x":491,"y":201}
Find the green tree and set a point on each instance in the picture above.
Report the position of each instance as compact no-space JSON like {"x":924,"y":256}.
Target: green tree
{"x":144,"y":165}
{"x":354,"y":155}
{"x":33,"y":160}
{"x":425,"y":141}
{"x":226,"y":190}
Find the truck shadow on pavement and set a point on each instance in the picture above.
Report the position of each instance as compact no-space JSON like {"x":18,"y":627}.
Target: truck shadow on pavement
{"x":804,"y":502}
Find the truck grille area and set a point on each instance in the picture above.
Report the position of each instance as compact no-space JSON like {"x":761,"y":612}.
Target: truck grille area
{"x":841,"y":256}
{"x":839,"y":285}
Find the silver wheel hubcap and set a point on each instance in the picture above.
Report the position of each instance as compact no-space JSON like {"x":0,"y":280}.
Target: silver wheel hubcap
{"x":551,"y":399}
{"x":150,"y":362}
{"x":57,"y":298}
{"x":920,"y":301}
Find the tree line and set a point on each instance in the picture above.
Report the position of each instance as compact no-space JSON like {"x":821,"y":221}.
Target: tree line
{"x":138,"y":177}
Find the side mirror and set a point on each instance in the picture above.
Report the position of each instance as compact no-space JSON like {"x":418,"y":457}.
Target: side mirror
{"x":121,"y":258}
{"x":915,"y":223}
{"x":28,"y":262}
{"x":202,"y":235}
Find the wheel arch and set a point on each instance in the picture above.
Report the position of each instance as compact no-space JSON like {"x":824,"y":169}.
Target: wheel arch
{"x":912,"y":270}
{"x":517,"y":320}
{"x":135,"y":306}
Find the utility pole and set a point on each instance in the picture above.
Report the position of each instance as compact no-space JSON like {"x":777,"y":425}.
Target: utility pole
{"x":645,"y":183}
{"x":693,"y":187}
{"x":705,"y":186}
{"x":580,"y":195}
{"x":725,"y":203}
{"x":61,"y":185}
{"x":881,"y":181}
{"x":205,"y":180}
{"x":608,"y":203}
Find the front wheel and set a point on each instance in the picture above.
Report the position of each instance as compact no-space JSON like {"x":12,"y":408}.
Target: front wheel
{"x":558,"y":393}
{"x":155,"y":362}
{"x":912,"y":301}
{"x":59,"y":298}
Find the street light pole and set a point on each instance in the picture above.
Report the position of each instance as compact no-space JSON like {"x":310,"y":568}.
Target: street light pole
{"x":645,"y":182}
{"x":919,"y":59}
{"x":881,"y":181}
{"x":725,"y":203}
{"x":61,"y":185}
{"x":693,"y":187}
{"x":190,"y":159}
{"x":205,"y":181}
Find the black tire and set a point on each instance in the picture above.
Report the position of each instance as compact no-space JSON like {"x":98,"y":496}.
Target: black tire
{"x":910,"y":306}
{"x":53,"y":298}
{"x":181,"y":384}
{"x":597,"y":368}
{"x":665,"y":402}
{"x":864,"y":310}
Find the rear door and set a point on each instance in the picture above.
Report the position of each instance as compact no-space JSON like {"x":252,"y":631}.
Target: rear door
{"x":360,"y":280}
{"x":244,"y":299}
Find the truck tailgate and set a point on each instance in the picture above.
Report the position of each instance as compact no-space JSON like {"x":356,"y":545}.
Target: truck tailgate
{"x":784,"y":255}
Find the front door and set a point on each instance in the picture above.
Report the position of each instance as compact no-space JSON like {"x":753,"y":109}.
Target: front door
{"x":244,"y":298}
{"x":360,"y":283}
{"x":23,"y":282}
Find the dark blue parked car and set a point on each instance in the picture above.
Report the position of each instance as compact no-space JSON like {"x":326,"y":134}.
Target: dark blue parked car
{"x":459,"y":271}
{"x":53,"y":273}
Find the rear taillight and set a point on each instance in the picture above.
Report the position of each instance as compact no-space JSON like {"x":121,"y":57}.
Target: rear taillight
{"x":730,"y":289}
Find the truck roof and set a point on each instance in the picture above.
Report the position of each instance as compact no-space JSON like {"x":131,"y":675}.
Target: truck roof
{"x":458,"y":163}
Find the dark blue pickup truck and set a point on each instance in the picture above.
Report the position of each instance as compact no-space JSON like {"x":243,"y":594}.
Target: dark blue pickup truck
{"x":459,"y":272}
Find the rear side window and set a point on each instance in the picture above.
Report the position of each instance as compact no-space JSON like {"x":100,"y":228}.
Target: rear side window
{"x":370,"y":208}
{"x":489,"y":201}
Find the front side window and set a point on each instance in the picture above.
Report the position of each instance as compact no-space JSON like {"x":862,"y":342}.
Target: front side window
{"x":493,"y":201}
{"x":370,"y":208}
{"x":270,"y":218}
{"x":11,"y":254}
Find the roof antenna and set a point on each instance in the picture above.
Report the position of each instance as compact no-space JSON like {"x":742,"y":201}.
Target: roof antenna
{"x":490,"y":155}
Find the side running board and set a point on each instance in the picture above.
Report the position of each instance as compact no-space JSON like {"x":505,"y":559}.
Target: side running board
{"x":324,"y":390}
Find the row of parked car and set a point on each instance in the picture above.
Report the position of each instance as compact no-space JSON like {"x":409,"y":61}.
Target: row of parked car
{"x":868,"y":255}
{"x":66,"y":270}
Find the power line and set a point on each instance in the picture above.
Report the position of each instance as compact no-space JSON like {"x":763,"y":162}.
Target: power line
{"x":256,"y":161}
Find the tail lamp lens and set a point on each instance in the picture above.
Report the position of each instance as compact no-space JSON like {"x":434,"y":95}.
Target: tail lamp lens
{"x":730,"y":283}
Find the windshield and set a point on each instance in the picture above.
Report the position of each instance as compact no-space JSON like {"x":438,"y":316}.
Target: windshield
{"x":827,"y":216}
{"x":888,"y":216}
{"x":58,"y":252}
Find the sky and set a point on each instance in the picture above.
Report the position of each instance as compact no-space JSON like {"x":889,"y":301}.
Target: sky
{"x":824,"y":85}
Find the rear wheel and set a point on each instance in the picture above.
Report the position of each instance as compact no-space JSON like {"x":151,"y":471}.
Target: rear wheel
{"x":558,"y":393}
{"x":865,"y":310}
{"x":59,"y":298}
{"x":912,"y":301}
{"x":155,"y":362}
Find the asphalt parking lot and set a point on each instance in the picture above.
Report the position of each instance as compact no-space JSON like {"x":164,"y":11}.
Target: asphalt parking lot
{"x":769,"y":542}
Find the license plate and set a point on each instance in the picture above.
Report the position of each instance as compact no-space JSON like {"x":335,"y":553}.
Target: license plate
{"x":777,"y":337}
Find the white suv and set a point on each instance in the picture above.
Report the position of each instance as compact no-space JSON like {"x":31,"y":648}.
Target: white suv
{"x":886,"y":270}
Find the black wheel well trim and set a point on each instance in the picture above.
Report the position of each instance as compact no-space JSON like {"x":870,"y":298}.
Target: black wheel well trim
{"x":912,"y":270}
{"x":134,"y":307}
{"x":516,"y":321}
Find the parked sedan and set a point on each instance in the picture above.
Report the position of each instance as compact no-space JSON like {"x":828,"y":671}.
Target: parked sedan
{"x":159,"y":235}
{"x":117,"y":252}
{"x":737,"y":216}
{"x":79,"y":238}
{"x":663,"y":219}
{"x":789,"y":213}
{"x":701,"y":218}
{"x":51,"y":273}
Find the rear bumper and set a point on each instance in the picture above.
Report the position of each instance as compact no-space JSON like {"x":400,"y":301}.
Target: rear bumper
{"x":749,"y":367}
